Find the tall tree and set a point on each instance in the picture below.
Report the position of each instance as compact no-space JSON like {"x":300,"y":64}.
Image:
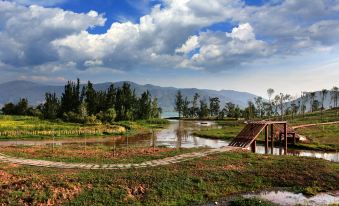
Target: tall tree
{"x":195,"y":106}
{"x":145,"y":106}
{"x":304,"y":99}
{"x":70,"y":99}
{"x":91,"y":99}
{"x":324,"y":93}
{"x":312,"y":99}
{"x":179,"y":101}
{"x":51,"y":107}
{"x":260,"y":106}
{"x":156,"y":110}
{"x":269,"y":107}
{"x":22,"y":107}
{"x":185,"y":107}
{"x":334,"y":97}
{"x":203,"y":111}
{"x":214,"y":106}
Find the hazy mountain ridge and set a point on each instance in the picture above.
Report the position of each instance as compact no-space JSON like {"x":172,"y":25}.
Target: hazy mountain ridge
{"x":35,"y":93}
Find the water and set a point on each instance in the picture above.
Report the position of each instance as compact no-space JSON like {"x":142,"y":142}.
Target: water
{"x":177,"y":135}
{"x":289,"y":198}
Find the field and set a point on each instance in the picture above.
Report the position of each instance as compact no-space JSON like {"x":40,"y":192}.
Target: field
{"x":193,"y":182}
{"x":99,"y":154}
{"x":24,"y":127}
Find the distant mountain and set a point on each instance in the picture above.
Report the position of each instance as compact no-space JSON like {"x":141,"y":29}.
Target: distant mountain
{"x":35,"y":92}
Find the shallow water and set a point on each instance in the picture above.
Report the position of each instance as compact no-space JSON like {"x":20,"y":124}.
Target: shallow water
{"x":289,"y":198}
{"x":178,"y":134}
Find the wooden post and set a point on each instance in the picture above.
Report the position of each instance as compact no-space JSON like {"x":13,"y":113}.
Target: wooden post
{"x":253,"y":146}
{"x":272,"y":138}
{"x":285,"y":135}
{"x":294,"y":139}
{"x":266,"y":139}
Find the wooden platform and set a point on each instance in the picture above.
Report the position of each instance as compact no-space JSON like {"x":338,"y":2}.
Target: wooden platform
{"x":248,"y":135}
{"x":278,"y":131}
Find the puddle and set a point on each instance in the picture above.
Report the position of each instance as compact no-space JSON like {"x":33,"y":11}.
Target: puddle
{"x":288,"y":198}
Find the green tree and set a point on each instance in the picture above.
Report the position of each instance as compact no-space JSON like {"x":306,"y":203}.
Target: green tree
{"x":91,"y":99}
{"x":260,"y":106}
{"x":21,"y":107}
{"x":70,"y":99}
{"x":269,"y":107}
{"x":179,"y":101}
{"x":312,"y":99}
{"x":51,"y":107}
{"x":324,"y":93}
{"x":156,"y":110}
{"x":203,"y":111}
{"x":214,"y":106}
{"x":145,"y":106}
{"x":334,"y":97}
{"x":185,"y":108}
{"x":195,"y":105}
{"x":8,"y":109}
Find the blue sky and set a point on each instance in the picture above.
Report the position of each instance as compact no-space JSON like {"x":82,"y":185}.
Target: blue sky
{"x":289,"y":45}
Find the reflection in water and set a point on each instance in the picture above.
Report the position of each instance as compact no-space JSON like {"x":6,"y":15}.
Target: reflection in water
{"x":288,"y":198}
{"x":177,"y":135}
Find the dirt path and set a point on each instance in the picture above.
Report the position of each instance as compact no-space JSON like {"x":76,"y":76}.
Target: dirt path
{"x":316,"y":124}
{"x":153,"y":163}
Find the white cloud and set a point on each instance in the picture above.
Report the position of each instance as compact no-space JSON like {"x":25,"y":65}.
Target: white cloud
{"x":26,"y":33}
{"x":173,"y":35}
{"x":39,"y":2}
{"x":191,"y":44}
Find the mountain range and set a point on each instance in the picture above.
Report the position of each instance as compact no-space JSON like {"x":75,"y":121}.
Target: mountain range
{"x":35,"y":93}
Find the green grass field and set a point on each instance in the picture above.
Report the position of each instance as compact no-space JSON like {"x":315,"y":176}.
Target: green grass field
{"x":25,"y":127}
{"x":188,"y":183}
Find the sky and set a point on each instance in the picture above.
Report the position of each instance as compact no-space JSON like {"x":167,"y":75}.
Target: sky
{"x":244,"y":45}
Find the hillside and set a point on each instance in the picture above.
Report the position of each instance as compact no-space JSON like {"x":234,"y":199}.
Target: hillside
{"x":34,"y":92}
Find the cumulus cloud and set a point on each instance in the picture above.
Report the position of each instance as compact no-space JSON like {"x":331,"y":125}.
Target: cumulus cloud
{"x":26,"y":33}
{"x":39,"y":2}
{"x":176,"y":34}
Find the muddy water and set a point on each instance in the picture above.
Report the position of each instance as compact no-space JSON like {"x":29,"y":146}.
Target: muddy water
{"x":178,"y":134}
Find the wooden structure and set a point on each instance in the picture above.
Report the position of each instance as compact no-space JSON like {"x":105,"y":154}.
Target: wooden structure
{"x":274,"y":130}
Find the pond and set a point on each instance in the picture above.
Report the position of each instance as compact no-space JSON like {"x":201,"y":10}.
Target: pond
{"x":177,"y":135}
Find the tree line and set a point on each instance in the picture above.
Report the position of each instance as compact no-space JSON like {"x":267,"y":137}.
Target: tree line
{"x":87,"y":105}
{"x":200,"y":108}
{"x":278,"y":106}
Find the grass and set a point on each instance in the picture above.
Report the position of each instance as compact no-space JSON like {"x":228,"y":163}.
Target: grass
{"x":27,"y":125}
{"x":215,"y":133}
{"x":325,"y":137}
{"x":188,"y":183}
{"x":100,"y":154}
{"x":312,"y":117}
{"x":242,"y":201}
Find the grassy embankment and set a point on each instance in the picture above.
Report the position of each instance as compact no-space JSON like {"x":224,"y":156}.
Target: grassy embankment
{"x":24,"y":127}
{"x":320,"y":137}
{"x":188,"y":183}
